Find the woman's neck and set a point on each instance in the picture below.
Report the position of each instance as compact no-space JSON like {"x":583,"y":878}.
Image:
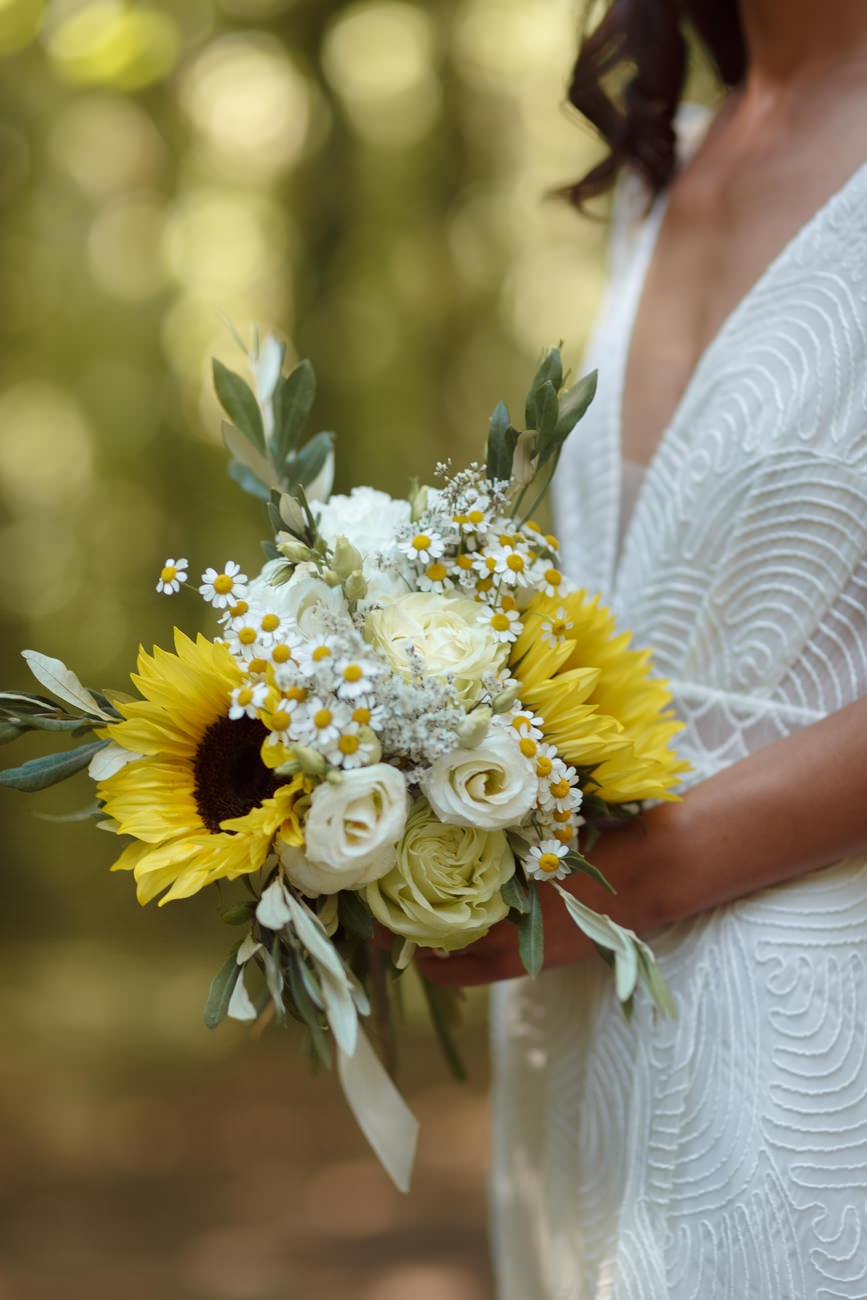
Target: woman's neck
{"x":794,"y":43}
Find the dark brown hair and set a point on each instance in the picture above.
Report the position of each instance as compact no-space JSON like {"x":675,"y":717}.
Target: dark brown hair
{"x":640,"y":47}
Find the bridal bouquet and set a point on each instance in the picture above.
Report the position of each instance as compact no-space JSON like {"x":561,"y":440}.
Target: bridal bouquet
{"x":409,"y":717}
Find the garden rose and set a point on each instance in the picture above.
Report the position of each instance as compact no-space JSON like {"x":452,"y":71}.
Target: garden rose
{"x":443,"y":890}
{"x":447,"y":633}
{"x":491,"y":786}
{"x":350,"y":832}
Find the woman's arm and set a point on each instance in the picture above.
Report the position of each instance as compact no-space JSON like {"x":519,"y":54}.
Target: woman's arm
{"x":795,"y":805}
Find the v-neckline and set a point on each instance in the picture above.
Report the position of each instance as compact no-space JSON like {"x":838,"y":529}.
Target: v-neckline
{"x":638,"y":278}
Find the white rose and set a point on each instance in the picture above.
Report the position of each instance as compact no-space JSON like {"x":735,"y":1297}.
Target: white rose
{"x":447,"y":633}
{"x":302,"y":598}
{"x":492,"y":786}
{"x":444,"y":890}
{"x":367,"y":517}
{"x":350,"y":832}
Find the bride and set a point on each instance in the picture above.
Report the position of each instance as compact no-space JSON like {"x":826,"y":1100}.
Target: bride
{"x":722,"y":1155}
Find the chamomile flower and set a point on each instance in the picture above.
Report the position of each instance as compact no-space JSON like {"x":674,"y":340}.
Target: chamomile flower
{"x":248,"y":700}
{"x":272,"y":629}
{"x":434,"y":578}
{"x":426,"y":547}
{"x":278,"y":714}
{"x":527,"y":724}
{"x":321,"y":721}
{"x":472,"y":521}
{"x":356,"y":746}
{"x":355,"y":677}
{"x":546,"y":861}
{"x":317,"y":653}
{"x":172,"y":574}
{"x":552,"y":580}
{"x":504,"y":623}
{"x":555,"y":628}
{"x":226,"y":588}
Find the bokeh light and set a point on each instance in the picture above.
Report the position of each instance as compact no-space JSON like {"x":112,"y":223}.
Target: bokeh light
{"x":108,"y":43}
{"x":19,"y":22}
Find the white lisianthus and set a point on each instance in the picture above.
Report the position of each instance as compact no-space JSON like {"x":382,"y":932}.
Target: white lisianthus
{"x":445,"y":631}
{"x":492,"y":786}
{"x":444,"y":888}
{"x":301,"y":599}
{"x":368,"y":518}
{"x":350,"y":832}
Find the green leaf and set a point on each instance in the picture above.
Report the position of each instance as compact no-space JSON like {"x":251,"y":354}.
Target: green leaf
{"x":222,"y":988}
{"x":502,"y":441}
{"x":547,"y":411}
{"x":443,"y":1007}
{"x":18,"y":703}
{"x":353,"y":915}
{"x":247,"y":480}
{"x":241,"y":449}
{"x":307,"y":1009}
{"x":42,"y":772}
{"x":292,"y":403}
{"x":35,"y":722}
{"x":579,"y":863}
{"x":548,"y":371}
{"x":515,"y":896}
{"x":574,"y":402}
{"x":654,"y":982}
{"x":303,"y":467}
{"x":531,"y":938}
{"x":238,"y":913}
{"x":239,"y":402}
{"x":8,"y":731}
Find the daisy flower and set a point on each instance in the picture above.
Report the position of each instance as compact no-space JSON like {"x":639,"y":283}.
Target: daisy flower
{"x":555,"y":628}
{"x":552,"y":578}
{"x":434,"y":578}
{"x":173,"y":573}
{"x":321,"y":721}
{"x":505,"y":624}
{"x":546,"y":861}
{"x":248,"y":700}
{"x":226,"y":588}
{"x":353,"y":747}
{"x":426,"y":547}
{"x":355,"y":677}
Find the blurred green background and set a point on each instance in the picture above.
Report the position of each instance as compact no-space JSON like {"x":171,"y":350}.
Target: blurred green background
{"x":371,"y":180}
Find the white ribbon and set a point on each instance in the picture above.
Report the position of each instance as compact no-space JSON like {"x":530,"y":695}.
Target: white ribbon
{"x":381,"y":1113}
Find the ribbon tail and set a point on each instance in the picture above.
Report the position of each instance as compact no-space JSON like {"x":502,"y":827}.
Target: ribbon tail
{"x":381,"y":1113}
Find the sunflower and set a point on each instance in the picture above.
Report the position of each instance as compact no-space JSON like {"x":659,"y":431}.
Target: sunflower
{"x":200,"y":802}
{"x":600,"y":706}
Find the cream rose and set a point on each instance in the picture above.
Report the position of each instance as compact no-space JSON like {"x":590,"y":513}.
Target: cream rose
{"x":491,"y":786}
{"x":444,"y":888}
{"x":350,"y":832}
{"x":448,"y":634}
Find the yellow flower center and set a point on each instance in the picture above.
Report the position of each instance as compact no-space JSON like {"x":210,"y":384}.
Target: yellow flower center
{"x":296,"y":693}
{"x":281,"y":653}
{"x":485,"y":584}
{"x":361,"y":715}
{"x":527,"y":747}
{"x":549,"y":862}
{"x":476,"y":516}
{"x":563,"y":834}
{"x":322,"y":718}
{"x":521,"y":722}
{"x":460,"y":519}
{"x":509,"y":603}
{"x":347,"y":744}
{"x":507,"y":539}
{"x":321,"y":652}
{"x":280,"y":720}
{"x":436,"y":572}
{"x":559,"y":630}
{"x":552,"y":542}
{"x":490,"y":563}
{"x":237,"y":610}
{"x":515,"y":562}
{"x":465,"y":562}
{"x":501,"y":623}
{"x":543,"y":765}
{"x":421,"y":541}
{"x":352,"y":673}
{"x":533,"y":526}
{"x":562,"y":816}
{"x":560,"y":789}
{"x":257,"y":665}
{"x":223,"y":584}
{"x":244,"y":697}
{"x":270,"y":623}
{"x":168,"y":573}
{"x":553,"y":577}
{"x":247,"y":635}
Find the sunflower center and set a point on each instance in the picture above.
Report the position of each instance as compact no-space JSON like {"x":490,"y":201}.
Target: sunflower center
{"x":230,"y":778}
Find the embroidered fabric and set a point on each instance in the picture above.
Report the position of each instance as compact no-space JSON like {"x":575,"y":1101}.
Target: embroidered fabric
{"x":723,"y":1154}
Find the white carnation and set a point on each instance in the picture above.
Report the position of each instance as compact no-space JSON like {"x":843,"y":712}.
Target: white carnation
{"x":491,"y":786}
{"x":350,"y":832}
{"x":367,"y":517}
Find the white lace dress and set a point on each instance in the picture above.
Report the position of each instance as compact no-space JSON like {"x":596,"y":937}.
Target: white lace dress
{"x":722,"y":1156}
